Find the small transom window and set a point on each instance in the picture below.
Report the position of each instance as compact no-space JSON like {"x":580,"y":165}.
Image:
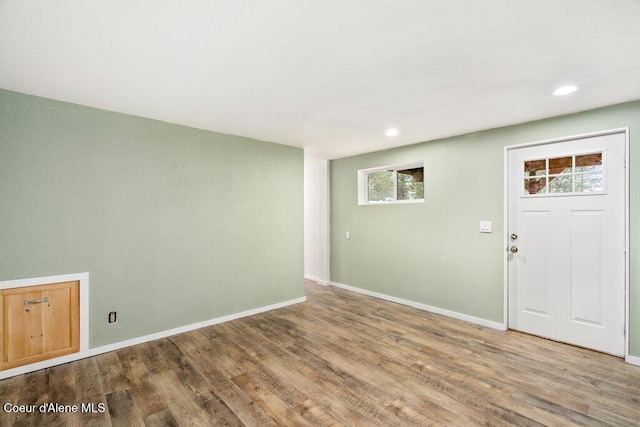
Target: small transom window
{"x":391,"y":184}
{"x":574,"y":174}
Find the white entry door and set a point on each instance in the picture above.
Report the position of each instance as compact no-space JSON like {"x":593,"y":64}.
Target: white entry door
{"x":566,"y":248}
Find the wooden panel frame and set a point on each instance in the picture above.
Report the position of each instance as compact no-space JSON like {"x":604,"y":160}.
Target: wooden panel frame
{"x":73,"y":314}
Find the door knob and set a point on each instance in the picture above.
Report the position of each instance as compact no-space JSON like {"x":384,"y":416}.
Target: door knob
{"x":513,"y":249}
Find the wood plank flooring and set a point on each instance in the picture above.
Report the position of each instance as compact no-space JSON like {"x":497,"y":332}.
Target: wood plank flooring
{"x":339,"y":359}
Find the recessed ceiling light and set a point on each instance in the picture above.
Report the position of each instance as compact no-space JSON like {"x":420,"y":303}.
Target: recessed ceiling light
{"x":565,"y":90}
{"x":391,"y":132}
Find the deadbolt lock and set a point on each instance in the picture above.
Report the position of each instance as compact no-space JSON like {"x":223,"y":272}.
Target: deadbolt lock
{"x":514,"y":236}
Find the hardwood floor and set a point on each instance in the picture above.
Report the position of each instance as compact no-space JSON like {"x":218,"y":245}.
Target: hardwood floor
{"x":338,"y":359}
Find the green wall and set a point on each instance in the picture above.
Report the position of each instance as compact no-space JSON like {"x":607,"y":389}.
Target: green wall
{"x":432,"y":253}
{"x":174,"y":225}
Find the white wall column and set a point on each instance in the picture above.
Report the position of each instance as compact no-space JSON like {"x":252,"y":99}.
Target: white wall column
{"x":316,"y":217}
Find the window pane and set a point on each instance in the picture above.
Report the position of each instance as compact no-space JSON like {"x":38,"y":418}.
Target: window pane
{"x":589,"y":182}
{"x":411,"y":184}
{"x":589,"y":163}
{"x":560,"y":184}
{"x":380,"y":186}
{"x":535,"y":185}
{"x":535,"y":167}
{"x":561,"y":165}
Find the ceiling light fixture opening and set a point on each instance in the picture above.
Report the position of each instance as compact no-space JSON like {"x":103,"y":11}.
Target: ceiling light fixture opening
{"x":391,"y":132}
{"x":565,"y":90}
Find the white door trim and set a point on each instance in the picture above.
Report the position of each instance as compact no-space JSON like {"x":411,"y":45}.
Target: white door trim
{"x":624,"y":130}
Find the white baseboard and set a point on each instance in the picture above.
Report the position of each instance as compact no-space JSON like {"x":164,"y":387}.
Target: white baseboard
{"x":448,"y":313}
{"x":252,"y":312}
{"x":139,"y":340}
{"x":634,"y":360}
{"x":317,"y":280}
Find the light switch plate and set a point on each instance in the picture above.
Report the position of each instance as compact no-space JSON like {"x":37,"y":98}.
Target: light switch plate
{"x":485,"y":226}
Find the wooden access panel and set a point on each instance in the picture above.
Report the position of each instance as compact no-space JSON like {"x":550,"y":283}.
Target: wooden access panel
{"x":39,"y":323}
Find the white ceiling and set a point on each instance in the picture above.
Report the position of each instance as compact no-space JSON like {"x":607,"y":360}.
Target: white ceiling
{"x":327,"y":75}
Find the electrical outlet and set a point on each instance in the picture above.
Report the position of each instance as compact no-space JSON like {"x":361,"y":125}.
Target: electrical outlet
{"x":113,"y":317}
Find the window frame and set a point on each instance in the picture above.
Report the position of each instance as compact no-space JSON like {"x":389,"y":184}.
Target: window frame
{"x":573,"y":174}
{"x":363,"y":183}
